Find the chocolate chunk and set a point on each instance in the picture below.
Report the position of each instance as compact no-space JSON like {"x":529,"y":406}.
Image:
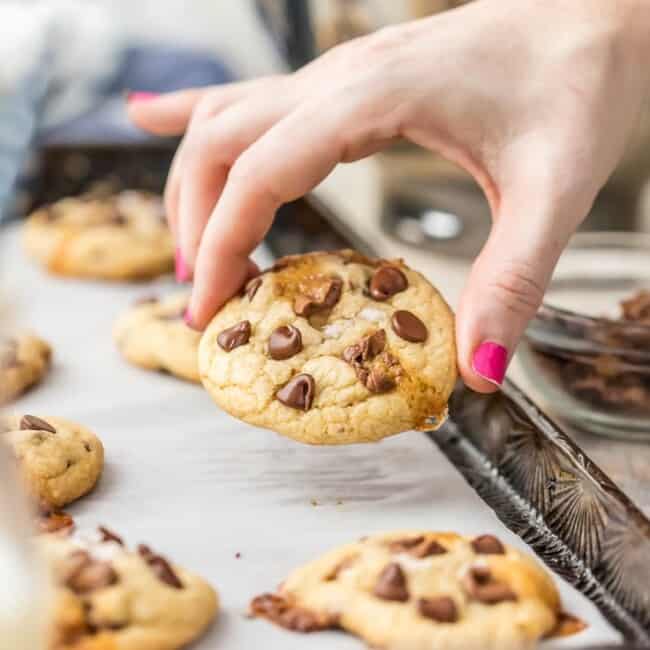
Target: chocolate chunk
{"x":8,"y":354}
{"x":235,"y":336}
{"x":391,"y":584}
{"x":284,"y":342}
{"x":367,"y":349}
{"x":278,"y":610}
{"x":110,"y":536}
{"x":379,"y":382}
{"x":432,"y":547}
{"x":318,"y":296}
{"x":481,"y":585}
{"x":418,"y":547}
{"x":441,"y":609}
{"x":298,"y":393}
{"x":488,"y":545}
{"x":160,"y":566}
{"x":386,"y":282}
{"x":408,"y":326}
{"x":32,"y":423}
{"x":51,"y":520}
{"x":252,"y":286}
{"x":83,"y":574}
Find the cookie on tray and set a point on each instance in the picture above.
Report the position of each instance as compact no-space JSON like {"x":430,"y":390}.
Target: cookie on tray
{"x":24,"y":361}
{"x":122,"y":236}
{"x":420,"y":590}
{"x":333,"y":348}
{"x":108,"y":597}
{"x":153,"y":335}
{"x":59,"y":460}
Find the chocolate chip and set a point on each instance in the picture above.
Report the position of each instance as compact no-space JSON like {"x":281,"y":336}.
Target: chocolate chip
{"x":298,"y":393}
{"x":252,"y":286}
{"x":379,"y":382}
{"x":319,"y":296}
{"x":284,"y":342}
{"x":488,"y":545}
{"x":417,"y":547}
{"x":85,"y":574}
{"x":235,"y":336}
{"x":110,"y":536}
{"x":278,"y":610}
{"x":391,"y":584}
{"x":408,"y":326}
{"x":32,"y":423}
{"x":51,"y":520}
{"x":481,"y":585}
{"x":386,"y":282}
{"x":432,"y":547}
{"x":160,"y":566}
{"x":367,"y":349}
{"x":441,"y":609}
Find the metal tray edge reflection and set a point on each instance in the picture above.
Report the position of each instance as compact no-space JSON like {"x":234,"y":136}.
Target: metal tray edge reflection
{"x":545,"y":489}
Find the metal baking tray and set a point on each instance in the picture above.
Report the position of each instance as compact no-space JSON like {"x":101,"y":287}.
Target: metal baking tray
{"x":540,"y":481}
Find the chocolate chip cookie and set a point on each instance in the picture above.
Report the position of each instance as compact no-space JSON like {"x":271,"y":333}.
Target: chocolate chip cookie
{"x":24,"y":361}
{"x":420,"y":590}
{"x":333,"y":348}
{"x":153,"y":335}
{"x":60,"y":460}
{"x":123,"y":236}
{"x":108,"y":597}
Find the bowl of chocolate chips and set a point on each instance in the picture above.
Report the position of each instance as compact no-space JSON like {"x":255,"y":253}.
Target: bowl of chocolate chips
{"x":587,"y":353}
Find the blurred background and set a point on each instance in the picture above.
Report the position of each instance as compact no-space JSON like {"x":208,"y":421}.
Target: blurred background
{"x":68,"y":63}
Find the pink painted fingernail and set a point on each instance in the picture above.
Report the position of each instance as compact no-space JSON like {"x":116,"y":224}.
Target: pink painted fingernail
{"x":135,"y":96}
{"x":490,"y":361}
{"x":182,"y":272}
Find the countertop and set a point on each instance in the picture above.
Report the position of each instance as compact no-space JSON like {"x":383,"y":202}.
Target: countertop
{"x":201,"y":487}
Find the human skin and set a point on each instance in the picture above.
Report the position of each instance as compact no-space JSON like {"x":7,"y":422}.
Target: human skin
{"x":534,"y":98}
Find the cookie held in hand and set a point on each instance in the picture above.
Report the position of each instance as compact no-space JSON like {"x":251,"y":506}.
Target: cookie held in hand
{"x":420,"y":590}
{"x":333,"y":348}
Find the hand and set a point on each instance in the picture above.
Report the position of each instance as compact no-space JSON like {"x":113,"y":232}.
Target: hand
{"x":535,"y":99}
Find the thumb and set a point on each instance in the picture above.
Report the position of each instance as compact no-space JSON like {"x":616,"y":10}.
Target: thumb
{"x":505,"y":288}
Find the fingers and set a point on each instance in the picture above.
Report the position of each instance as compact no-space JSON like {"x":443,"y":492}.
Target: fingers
{"x":285,"y":163}
{"x":166,"y":114}
{"x":505,"y":288}
{"x":210,"y":150}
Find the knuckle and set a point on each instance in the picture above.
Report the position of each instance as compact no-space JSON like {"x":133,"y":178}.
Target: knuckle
{"x":516,"y":288}
{"x":245,"y":174}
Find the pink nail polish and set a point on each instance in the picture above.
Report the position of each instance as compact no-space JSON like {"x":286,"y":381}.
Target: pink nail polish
{"x":182,"y":272}
{"x":140,"y":96}
{"x":490,"y":361}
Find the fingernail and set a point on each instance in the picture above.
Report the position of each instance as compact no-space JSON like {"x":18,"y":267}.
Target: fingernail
{"x":490,"y":361}
{"x":182,"y":272}
{"x":134,"y":96}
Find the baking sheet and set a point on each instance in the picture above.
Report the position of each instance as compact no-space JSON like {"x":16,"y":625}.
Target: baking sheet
{"x":200,"y":486}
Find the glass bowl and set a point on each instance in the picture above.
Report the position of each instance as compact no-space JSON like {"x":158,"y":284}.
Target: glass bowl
{"x":584,"y":357}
